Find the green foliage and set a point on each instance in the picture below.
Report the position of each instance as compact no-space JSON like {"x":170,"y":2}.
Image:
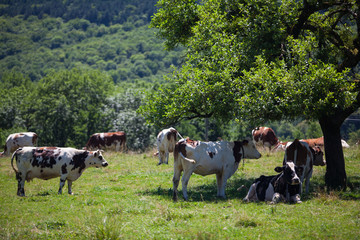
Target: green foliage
{"x":67,"y":107}
{"x":247,"y":60}
{"x":122,"y":108}
{"x":175,"y":20}
{"x":35,"y":46}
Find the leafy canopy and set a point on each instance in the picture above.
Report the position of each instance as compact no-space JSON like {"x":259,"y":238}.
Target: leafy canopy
{"x":257,"y":60}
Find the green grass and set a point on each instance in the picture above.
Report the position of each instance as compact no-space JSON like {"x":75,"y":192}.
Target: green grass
{"x":132,"y":199}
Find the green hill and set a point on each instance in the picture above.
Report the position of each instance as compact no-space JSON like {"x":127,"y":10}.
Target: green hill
{"x":111,"y":36}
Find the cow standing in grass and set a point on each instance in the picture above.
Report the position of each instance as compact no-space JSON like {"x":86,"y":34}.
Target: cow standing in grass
{"x":265,"y":136}
{"x":115,"y":141}
{"x":303,"y":156}
{"x":16,"y":140}
{"x":165,"y":141}
{"x":204,"y":158}
{"x":51,"y":162}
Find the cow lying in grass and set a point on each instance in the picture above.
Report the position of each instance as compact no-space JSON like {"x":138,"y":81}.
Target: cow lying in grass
{"x":282,"y":187}
{"x":50,"y":162}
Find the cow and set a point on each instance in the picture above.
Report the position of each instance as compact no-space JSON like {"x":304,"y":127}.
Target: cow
{"x":303,"y":156}
{"x":16,"y":140}
{"x":312,"y":142}
{"x":165,"y":141}
{"x":319,"y":142}
{"x":344,"y":144}
{"x":281,"y":146}
{"x":318,"y":155}
{"x":51,"y":162}
{"x":282,"y":187}
{"x":115,"y":141}
{"x":264,"y":136}
{"x":204,"y":158}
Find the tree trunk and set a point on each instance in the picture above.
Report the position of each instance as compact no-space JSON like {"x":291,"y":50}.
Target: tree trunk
{"x":335,"y":177}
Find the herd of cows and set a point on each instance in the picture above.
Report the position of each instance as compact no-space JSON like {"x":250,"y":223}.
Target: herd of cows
{"x":204,"y":158}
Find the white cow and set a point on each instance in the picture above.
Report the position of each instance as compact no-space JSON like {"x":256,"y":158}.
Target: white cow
{"x":16,"y":140}
{"x":221,"y":158}
{"x":50,"y":162}
{"x":165,"y":141}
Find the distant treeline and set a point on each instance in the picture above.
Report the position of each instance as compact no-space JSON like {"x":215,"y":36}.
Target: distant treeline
{"x":95,"y":11}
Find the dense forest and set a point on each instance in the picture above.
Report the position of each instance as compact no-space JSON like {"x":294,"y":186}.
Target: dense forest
{"x":69,"y":69}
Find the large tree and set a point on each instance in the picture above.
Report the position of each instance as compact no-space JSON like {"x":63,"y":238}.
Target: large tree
{"x":263,"y":60}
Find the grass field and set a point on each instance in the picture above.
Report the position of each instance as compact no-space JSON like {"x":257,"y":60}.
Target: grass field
{"x":132,"y":199}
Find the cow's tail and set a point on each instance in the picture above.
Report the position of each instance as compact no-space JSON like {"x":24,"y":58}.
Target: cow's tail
{"x":12,"y":161}
{"x":179,"y":135}
{"x":187,"y":159}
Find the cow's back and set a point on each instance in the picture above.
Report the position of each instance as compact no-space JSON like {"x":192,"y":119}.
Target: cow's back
{"x":300,"y":153}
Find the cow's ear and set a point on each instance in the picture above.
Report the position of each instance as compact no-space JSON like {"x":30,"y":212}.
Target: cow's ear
{"x":245,"y":142}
{"x":279,"y":169}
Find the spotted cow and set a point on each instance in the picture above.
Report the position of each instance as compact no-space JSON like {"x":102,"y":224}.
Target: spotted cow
{"x":51,"y":162}
{"x":264,"y":136}
{"x":115,"y":141}
{"x":304,"y":157}
{"x":165,"y":141}
{"x":16,"y":140}
{"x":204,"y":158}
{"x":282,"y":187}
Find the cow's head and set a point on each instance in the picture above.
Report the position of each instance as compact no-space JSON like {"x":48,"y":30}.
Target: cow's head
{"x":96,"y":159}
{"x":289,"y":170}
{"x":250,"y":150}
{"x":318,"y":156}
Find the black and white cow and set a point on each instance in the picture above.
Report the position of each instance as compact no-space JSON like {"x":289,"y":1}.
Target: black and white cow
{"x":51,"y":162}
{"x":282,"y":187}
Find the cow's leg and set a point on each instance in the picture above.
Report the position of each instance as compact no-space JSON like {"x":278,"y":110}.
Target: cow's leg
{"x":185,"y":180}
{"x":176,"y":179}
{"x":167,"y":157}
{"x":69,"y":186}
{"x":62,"y":183}
{"x":21,"y":182}
{"x":161,"y":156}
{"x":221,"y":183}
{"x":307,"y":181}
{"x":117,"y":147}
{"x":251,"y":195}
{"x":276,"y":198}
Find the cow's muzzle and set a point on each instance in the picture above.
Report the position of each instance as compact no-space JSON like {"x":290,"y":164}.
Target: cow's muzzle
{"x":295,"y":181}
{"x":105,"y":164}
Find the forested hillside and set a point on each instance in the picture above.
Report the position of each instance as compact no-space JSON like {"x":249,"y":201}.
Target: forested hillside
{"x":74,"y":34}
{"x":74,"y":67}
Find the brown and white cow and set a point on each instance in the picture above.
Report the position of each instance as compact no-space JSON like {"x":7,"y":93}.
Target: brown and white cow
{"x":264,"y":136}
{"x":16,"y":140}
{"x":319,"y":142}
{"x":312,"y":142}
{"x":204,"y":158}
{"x":115,"y":141}
{"x":280,"y":146}
{"x":51,"y":162}
{"x":302,"y":156}
{"x":165,"y":141}
{"x":282,"y":187}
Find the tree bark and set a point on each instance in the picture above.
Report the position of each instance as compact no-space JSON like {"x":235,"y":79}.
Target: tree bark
{"x":335,"y":176}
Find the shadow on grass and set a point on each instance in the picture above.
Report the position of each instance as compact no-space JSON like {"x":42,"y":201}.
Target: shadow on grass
{"x":207,"y":192}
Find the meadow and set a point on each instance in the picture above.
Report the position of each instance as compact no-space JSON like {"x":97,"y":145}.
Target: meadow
{"x":132,"y":199}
